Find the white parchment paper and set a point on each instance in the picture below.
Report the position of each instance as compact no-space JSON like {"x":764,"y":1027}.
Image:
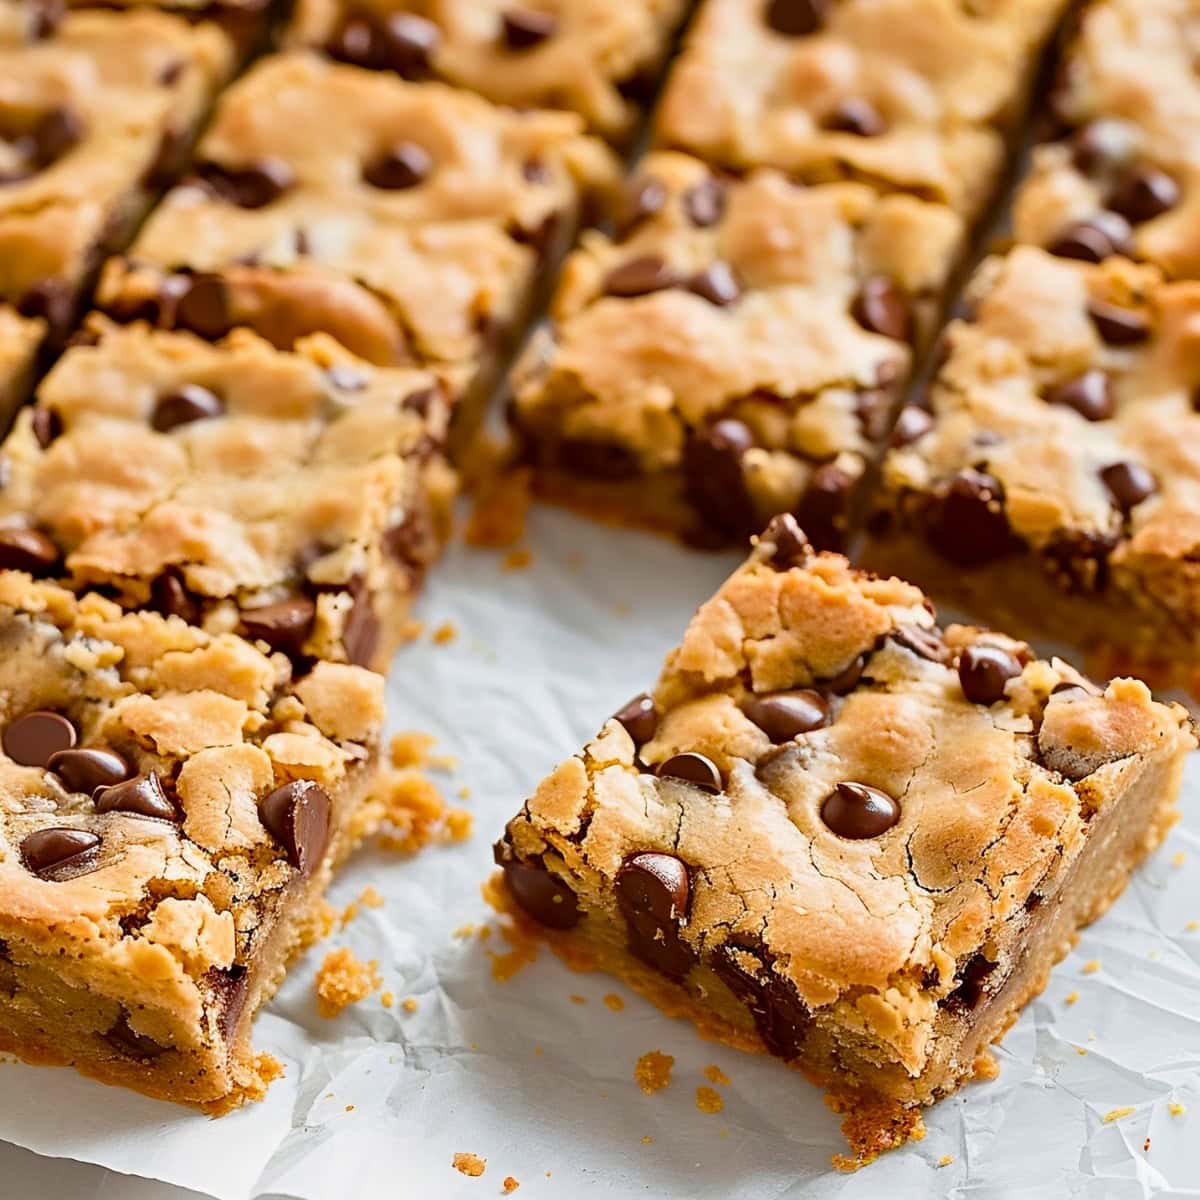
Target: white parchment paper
{"x":536,"y":1075}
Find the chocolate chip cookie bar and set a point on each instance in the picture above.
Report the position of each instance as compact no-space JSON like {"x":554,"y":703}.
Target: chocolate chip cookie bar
{"x":1052,"y":484}
{"x":734,"y":351}
{"x":292,"y":497}
{"x":409,"y":221}
{"x":20,"y":338}
{"x":1121,"y":172}
{"x":592,"y":57}
{"x":920,"y":97}
{"x":174,"y":804}
{"x":839,"y":834}
{"x":94,"y":114}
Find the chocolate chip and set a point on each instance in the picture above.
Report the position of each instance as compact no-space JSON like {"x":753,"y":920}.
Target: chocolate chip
{"x":172,"y":73}
{"x":142,"y":796}
{"x":704,"y":202}
{"x":360,"y":635}
{"x":969,"y":526}
{"x":169,"y":596}
{"x":27,"y":550}
{"x":253,"y":186}
{"x":924,"y":643}
{"x":696,"y":769}
{"x":858,"y":811}
{"x":912,"y":424}
{"x":791,"y":547}
{"x":523,"y":28}
{"x":857,"y":116}
{"x":1078,"y":561}
{"x":644,"y":196}
{"x":56,"y":853}
{"x":296,"y":815}
{"x":356,"y":41}
{"x":873,"y":408}
{"x":972,"y":979}
{"x":405,"y":165}
{"x":1089,"y":394}
{"x":713,"y":479}
{"x":230,"y":987}
{"x":796,"y":18}
{"x":47,"y":425}
{"x":640,"y":718}
{"x":122,"y":1038}
{"x":1100,"y":145}
{"x":53,"y":300}
{"x":846,"y":680}
{"x":1094,"y":240}
{"x":33,"y":739}
{"x":984,"y":670}
{"x":47,"y":17}
{"x":881,"y":307}
{"x":824,"y":508}
{"x":188,"y":403}
{"x":201,"y":306}
{"x":782,"y":1019}
{"x":408,"y":44}
{"x":84,"y":770}
{"x":716,"y":283}
{"x":601,"y":460}
{"x":1118,"y":326}
{"x":1144,"y":193}
{"x":284,"y":625}
{"x":59,"y":131}
{"x":640,"y":276}
{"x":543,"y":896}
{"x":786,"y":715}
{"x":1128,"y":483}
{"x":652,"y":894}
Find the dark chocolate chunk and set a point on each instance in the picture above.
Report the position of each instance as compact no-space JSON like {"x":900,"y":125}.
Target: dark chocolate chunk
{"x":253,"y":186}
{"x":786,"y":715}
{"x":652,"y":894}
{"x":230,"y":987}
{"x":1118,"y":326}
{"x":883,"y":308}
{"x":984,"y":670}
{"x":1089,"y":394}
{"x":1100,"y":145}
{"x":924,"y":643}
{"x":968,"y":525}
{"x":170,"y":596}
{"x":858,"y":811}
{"x":143,"y":796}
{"x":857,"y":116}
{"x":796,"y":18}
{"x":780,"y":1016}
{"x":88,"y":768}
{"x":847,"y":679}
{"x":200,"y":305}
{"x":545,"y":897}
{"x":717,"y":284}
{"x":184,"y":405}
{"x":122,"y":1038}
{"x":644,"y":196}
{"x":407,"y":44}
{"x":54,"y":301}
{"x":360,"y":634}
{"x":405,"y":165}
{"x":640,"y":718}
{"x":1100,"y":237}
{"x":824,"y":508}
{"x":972,"y":979}
{"x":1144,"y":193}
{"x":47,"y":17}
{"x":284,"y":625}
{"x":696,"y":769}
{"x":523,"y":28}
{"x":640,"y":276}
{"x":27,"y":550}
{"x":712,"y":470}
{"x":58,"y":131}
{"x":33,"y":739}
{"x":1128,"y":483}
{"x":704,"y":202}
{"x":296,"y":815}
{"x":792,"y":548}
{"x":912,"y":424}
{"x":56,"y":853}
{"x":356,"y":41}
{"x":47,"y":425}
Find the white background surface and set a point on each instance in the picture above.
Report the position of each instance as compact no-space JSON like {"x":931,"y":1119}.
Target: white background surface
{"x":534,"y":1082}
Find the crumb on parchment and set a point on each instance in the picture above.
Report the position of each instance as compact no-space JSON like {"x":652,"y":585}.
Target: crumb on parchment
{"x":409,"y":1004}
{"x":714,"y":1074}
{"x":1176,"y":1109}
{"x":945,"y":1160}
{"x":501,"y":506}
{"x":518,"y":558}
{"x":444,"y":634}
{"x":367,"y":898}
{"x":614,"y":1002}
{"x":343,"y":979}
{"x":469,"y":1164}
{"x":653,"y":1071}
{"x":708,"y":1100}
{"x":510,"y":1185}
{"x":1115,"y":1114}
{"x":387,"y":999}
{"x":1091,"y":966}
{"x":1071,"y":998}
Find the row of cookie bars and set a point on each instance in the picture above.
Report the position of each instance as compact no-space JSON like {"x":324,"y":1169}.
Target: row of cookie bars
{"x":738,"y":345}
{"x":216,"y":510}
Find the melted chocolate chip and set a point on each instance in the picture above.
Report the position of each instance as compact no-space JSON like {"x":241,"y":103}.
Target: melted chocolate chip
{"x":407,"y":45}
{"x":792,"y":548}
{"x":123,"y":1038}
{"x":142,"y":796}
{"x":405,"y":165}
{"x":200,"y":305}
{"x":1118,"y":326}
{"x":640,"y":718}
{"x":523,"y":28}
{"x":53,"y":300}
{"x":1094,"y":240}
{"x":169,"y":596}
{"x":284,"y":625}
{"x":972,"y":979}
{"x":786,"y":715}
{"x":640,"y":276}
{"x":84,"y":770}
{"x":696,"y":769}
{"x":1089,"y":394}
{"x":858,"y":811}
{"x":1100,"y":145}
{"x":185,"y":405}
{"x":983,"y":672}
{"x":652,"y":894}
{"x":924,"y":643}
{"x":881,"y":307}
{"x":968,"y":525}
{"x":796,"y":18}
{"x":780,"y":1016}
{"x":59,"y":131}
{"x":27,"y":550}
{"x":704,"y":202}
{"x":857,"y":116}
{"x":47,"y":425}
{"x":824,"y":508}
{"x":253,"y":186}
{"x":360,"y":635}
{"x":230,"y":987}
{"x":712,"y":471}
{"x":32,"y":740}
{"x":47,"y":17}
{"x":55,"y":854}
{"x":1128,"y":483}
{"x":912,"y":424}
{"x":644,"y":196}
{"x":296,"y":815}
{"x":543,"y":896}
{"x":717,"y":284}
{"x":847,"y":679}
{"x":1144,"y":193}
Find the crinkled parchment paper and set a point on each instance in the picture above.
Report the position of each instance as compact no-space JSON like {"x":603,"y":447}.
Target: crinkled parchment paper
{"x":536,"y":1074}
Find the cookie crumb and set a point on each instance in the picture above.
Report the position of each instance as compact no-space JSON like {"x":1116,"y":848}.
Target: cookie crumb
{"x":510,"y":1185}
{"x":1176,"y":1109}
{"x":708,"y":1100}
{"x":502,"y":499}
{"x":653,"y":1071}
{"x":387,"y":999}
{"x":405,"y":810}
{"x":368,"y":898}
{"x":349,"y":1107}
{"x":409,"y":1004}
{"x":1115,"y":1114}
{"x":646,"y":1141}
{"x":1091,"y":966}
{"x":465,"y":931}
{"x":1192,"y":925}
{"x":518,"y":559}
{"x":343,"y":979}
{"x":469,"y":1164}
{"x":1146,"y":1146}
{"x":1071,"y":998}
{"x":945,"y":1160}
{"x":523,"y":951}
{"x":1081,"y":1051}
{"x":444,"y":634}
{"x":411,"y":748}
{"x":614,"y":1002}
{"x":463,"y":793}
{"x":714,"y":1074}
{"x":1179,"y":859}
{"x":576,"y":998}
{"x":459,"y":824}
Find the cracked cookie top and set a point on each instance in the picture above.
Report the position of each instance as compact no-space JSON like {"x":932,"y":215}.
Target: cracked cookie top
{"x":905,"y":96}
{"x":832,"y":803}
{"x":160,"y":788}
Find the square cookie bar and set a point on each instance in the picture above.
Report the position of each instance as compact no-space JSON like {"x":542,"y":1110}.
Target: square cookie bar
{"x":734,"y":351}
{"x":95,"y":114}
{"x":174,"y":805}
{"x":592,"y":57}
{"x":409,"y":221}
{"x":839,"y":834}
{"x":907,"y":95}
{"x":1121,"y":173}
{"x":292,"y":497}
{"x":1052,"y":485}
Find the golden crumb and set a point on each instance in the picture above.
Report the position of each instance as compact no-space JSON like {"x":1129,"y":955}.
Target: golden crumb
{"x":1192,"y":926}
{"x":647,"y":1140}
{"x":1179,"y":859}
{"x":653,"y":1071}
{"x":714,"y":1074}
{"x":1091,"y":1035}
{"x":985,"y":1065}
{"x":411,"y":630}
{"x":387,"y":999}
{"x":498,"y":516}
{"x":349,"y":1107}
{"x":444,"y":634}
{"x":485,"y":932}
{"x":469,"y":1164}
{"x":406,"y":810}
{"x":708,"y":1100}
{"x":1091,"y":966}
{"x":575,"y":998}
{"x":1071,"y":998}
{"x":409,"y":1004}
{"x":368,"y":898}
{"x":463,"y":793}
{"x":945,"y":1160}
{"x":343,"y":979}
{"x":459,"y":824}
{"x":510,"y":1185}
{"x":411,"y":748}
{"x":523,"y":950}
{"x":327,"y":919}
{"x":465,"y":931}
{"x":1115,"y":1114}
{"x":263,"y":1070}
{"x":538,"y":1052}
{"x":613,"y":1001}
{"x":1176,"y":1109}
{"x":518,"y":559}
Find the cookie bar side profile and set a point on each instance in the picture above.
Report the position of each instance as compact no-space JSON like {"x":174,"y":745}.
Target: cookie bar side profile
{"x":175,"y":803}
{"x":841,"y":835}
